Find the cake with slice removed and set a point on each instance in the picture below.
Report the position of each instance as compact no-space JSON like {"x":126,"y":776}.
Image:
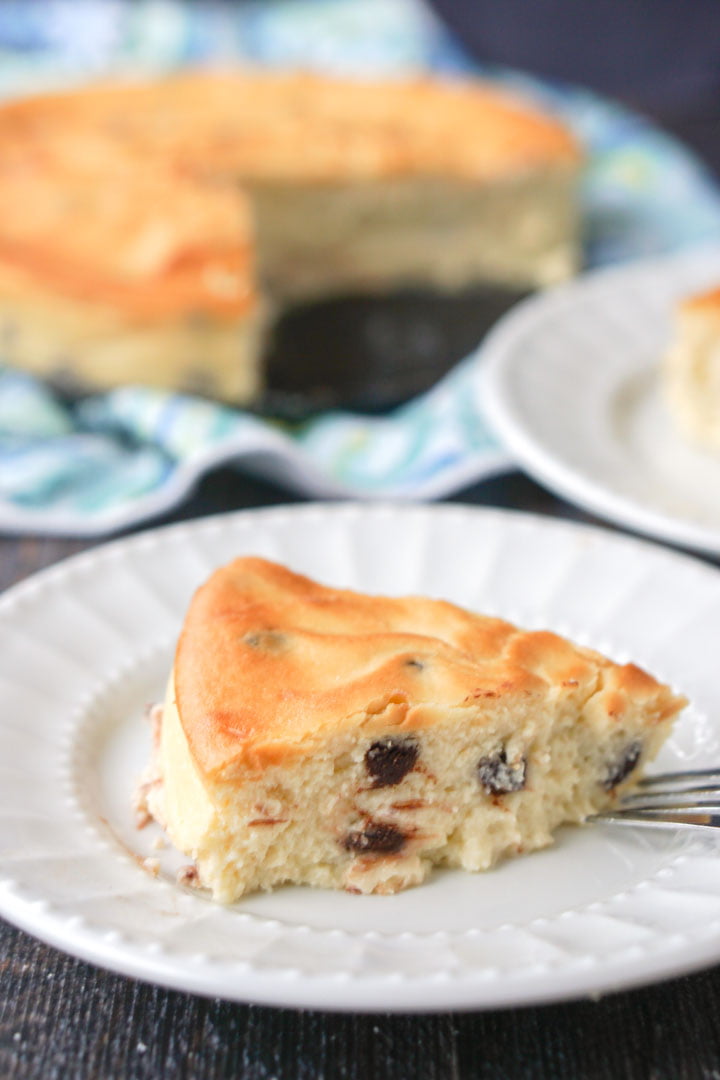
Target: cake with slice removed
{"x":321,"y":736}
{"x":165,"y":223}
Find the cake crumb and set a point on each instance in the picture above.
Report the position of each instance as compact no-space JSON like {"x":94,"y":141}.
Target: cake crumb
{"x":188,"y":875}
{"x":143,"y":817}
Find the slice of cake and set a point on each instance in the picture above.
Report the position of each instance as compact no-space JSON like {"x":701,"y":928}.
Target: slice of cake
{"x":692,"y":369}
{"x":160,"y":220}
{"x":320,"y":736}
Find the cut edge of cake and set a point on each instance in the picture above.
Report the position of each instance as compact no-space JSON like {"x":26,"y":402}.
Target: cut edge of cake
{"x":691,"y":370}
{"x":78,"y":345}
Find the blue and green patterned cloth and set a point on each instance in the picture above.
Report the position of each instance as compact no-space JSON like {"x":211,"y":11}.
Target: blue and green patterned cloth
{"x":115,"y":459}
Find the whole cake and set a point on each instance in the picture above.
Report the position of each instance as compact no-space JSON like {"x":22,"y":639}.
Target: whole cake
{"x":321,"y":736}
{"x":151,"y":229}
{"x":692,"y":369}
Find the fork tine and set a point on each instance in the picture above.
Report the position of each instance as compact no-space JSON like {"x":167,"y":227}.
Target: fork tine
{"x":684,"y":798}
{"x":674,"y":791}
{"x":688,"y":799}
{"x":706,"y":776}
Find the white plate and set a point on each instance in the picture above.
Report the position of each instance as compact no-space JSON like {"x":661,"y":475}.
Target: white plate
{"x":88,"y":643}
{"x":572,"y":387}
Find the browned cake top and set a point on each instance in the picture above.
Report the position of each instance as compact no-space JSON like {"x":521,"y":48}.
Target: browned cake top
{"x":129,"y":191}
{"x":269,"y":663}
{"x":704,"y":303}
{"x":304,"y":127}
{"x":101,"y":221}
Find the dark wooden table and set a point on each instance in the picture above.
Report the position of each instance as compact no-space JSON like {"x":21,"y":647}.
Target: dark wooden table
{"x":62,"y":1019}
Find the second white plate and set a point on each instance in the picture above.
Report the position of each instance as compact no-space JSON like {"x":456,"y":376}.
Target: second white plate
{"x":86,"y":645}
{"x":572,"y":386}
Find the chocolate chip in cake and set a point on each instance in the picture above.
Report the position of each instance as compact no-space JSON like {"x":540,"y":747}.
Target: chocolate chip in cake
{"x":619,"y":769}
{"x":498,"y":776}
{"x":269,"y":640}
{"x":376,"y":839}
{"x":390,"y":759}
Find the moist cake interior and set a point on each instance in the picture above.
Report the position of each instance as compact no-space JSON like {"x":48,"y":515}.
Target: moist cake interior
{"x":691,"y":373}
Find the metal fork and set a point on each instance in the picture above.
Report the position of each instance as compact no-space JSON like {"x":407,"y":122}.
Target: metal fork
{"x":689,"y":799}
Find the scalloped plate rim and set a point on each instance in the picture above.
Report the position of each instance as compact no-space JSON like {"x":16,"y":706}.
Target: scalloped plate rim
{"x":471,"y":990}
{"x":540,"y":460}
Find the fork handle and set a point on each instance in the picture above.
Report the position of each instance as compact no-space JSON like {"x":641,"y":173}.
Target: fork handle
{"x":698,"y":817}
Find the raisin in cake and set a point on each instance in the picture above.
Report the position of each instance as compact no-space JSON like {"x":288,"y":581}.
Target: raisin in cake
{"x":692,"y":369}
{"x":162,"y":222}
{"x":320,"y":736}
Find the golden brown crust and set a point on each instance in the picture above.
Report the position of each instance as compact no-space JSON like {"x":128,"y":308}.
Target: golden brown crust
{"x":705,"y":303}
{"x":301,"y":126}
{"x":129,"y":192}
{"x":192,"y":282}
{"x":269,"y":662}
{"x":102,"y":224}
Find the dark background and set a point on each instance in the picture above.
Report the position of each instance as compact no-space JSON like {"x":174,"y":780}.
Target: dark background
{"x":661,"y":57}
